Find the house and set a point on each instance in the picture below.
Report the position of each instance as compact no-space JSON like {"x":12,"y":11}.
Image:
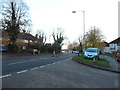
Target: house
{"x":26,"y":38}
{"x":23,"y":39}
{"x":107,"y":48}
{"x":115,"y":44}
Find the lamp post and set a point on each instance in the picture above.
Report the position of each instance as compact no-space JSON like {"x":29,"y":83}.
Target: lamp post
{"x":83,"y":21}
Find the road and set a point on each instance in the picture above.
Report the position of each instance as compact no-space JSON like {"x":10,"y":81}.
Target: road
{"x":13,"y":64}
{"x":65,"y":74}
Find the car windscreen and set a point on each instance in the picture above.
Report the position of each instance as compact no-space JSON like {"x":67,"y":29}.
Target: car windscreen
{"x":91,"y":50}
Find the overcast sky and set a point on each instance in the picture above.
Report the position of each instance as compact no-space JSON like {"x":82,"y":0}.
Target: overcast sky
{"x":49,"y":14}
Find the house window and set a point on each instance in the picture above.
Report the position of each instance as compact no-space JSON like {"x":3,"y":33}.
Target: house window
{"x":30,"y":41}
{"x":26,"y":41}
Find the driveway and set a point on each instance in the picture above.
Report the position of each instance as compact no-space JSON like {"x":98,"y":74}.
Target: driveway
{"x":63,"y":74}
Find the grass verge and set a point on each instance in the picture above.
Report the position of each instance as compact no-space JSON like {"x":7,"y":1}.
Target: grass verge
{"x":100,"y":62}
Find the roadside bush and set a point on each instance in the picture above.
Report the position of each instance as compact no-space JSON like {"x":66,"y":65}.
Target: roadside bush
{"x":14,"y":48}
{"x":56,"y":47}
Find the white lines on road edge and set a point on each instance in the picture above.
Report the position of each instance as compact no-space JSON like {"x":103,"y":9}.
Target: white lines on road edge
{"x":54,"y":63}
{"x":22,"y":71}
{"x":42,"y":66}
{"x":68,"y":59}
{"x":34,"y":68}
{"x":43,"y":58}
{"x":5,"y":76}
{"x":59,"y":62}
{"x":48,"y":64}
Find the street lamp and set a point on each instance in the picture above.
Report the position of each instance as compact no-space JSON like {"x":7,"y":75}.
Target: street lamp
{"x":83,"y":21}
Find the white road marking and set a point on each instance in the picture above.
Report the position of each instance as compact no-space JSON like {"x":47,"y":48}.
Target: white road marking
{"x":5,"y":76}
{"x":54,"y":63}
{"x":58,"y":62}
{"x":48,"y":64}
{"x":22,"y":71}
{"x":42,"y":66}
{"x":43,"y":58}
{"x":34,"y":68}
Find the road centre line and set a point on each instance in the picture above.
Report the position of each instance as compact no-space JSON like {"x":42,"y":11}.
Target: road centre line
{"x":22,"y":71}
{"x":5,"y":76}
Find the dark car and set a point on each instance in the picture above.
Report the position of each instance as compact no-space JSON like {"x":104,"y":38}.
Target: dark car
{"x":118,"y":56}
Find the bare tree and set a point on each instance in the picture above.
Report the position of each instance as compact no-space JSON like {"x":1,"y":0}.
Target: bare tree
{"x":58,"y":36}
{"x":14,"y":18}
{"x":41,"y":37}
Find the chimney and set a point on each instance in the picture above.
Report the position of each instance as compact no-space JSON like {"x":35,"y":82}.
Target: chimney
{"x":36,"y":35}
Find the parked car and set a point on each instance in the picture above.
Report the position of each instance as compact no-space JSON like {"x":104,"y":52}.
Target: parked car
{"x":76,"y":52}
{"x":118,"y":56}
{"x":34,"y":51}
{"x":92,"y":53}
{"x":3,"y":48}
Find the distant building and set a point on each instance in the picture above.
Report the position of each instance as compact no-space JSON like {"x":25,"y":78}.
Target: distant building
{"x":115,"y":45}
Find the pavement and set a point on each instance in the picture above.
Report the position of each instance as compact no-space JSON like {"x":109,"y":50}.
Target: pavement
{"x":64,"y":74}
{"x":114,"y":64}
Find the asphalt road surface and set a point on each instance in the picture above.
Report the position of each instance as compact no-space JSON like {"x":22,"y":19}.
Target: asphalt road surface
{"x":13,"y":64}
{"x":62,"y":74}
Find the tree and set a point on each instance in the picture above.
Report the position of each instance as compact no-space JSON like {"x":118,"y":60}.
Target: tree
{"x":41,"y":40}
{"x":93,"y":39}
{"x":59,"y":35}
{"x":58,"y":39}
{"x":73,"y":46}
{"x":80,"y":47}
{"x":41,"y":37}
{"x":14,"y":18}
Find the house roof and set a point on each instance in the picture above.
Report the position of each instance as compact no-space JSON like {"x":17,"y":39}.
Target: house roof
{"x":106,"y":44}
{"x":27,"y":36}
{"x":116,"y":40}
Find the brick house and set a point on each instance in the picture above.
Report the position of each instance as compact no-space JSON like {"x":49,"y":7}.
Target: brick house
{"x":23,"y":39}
